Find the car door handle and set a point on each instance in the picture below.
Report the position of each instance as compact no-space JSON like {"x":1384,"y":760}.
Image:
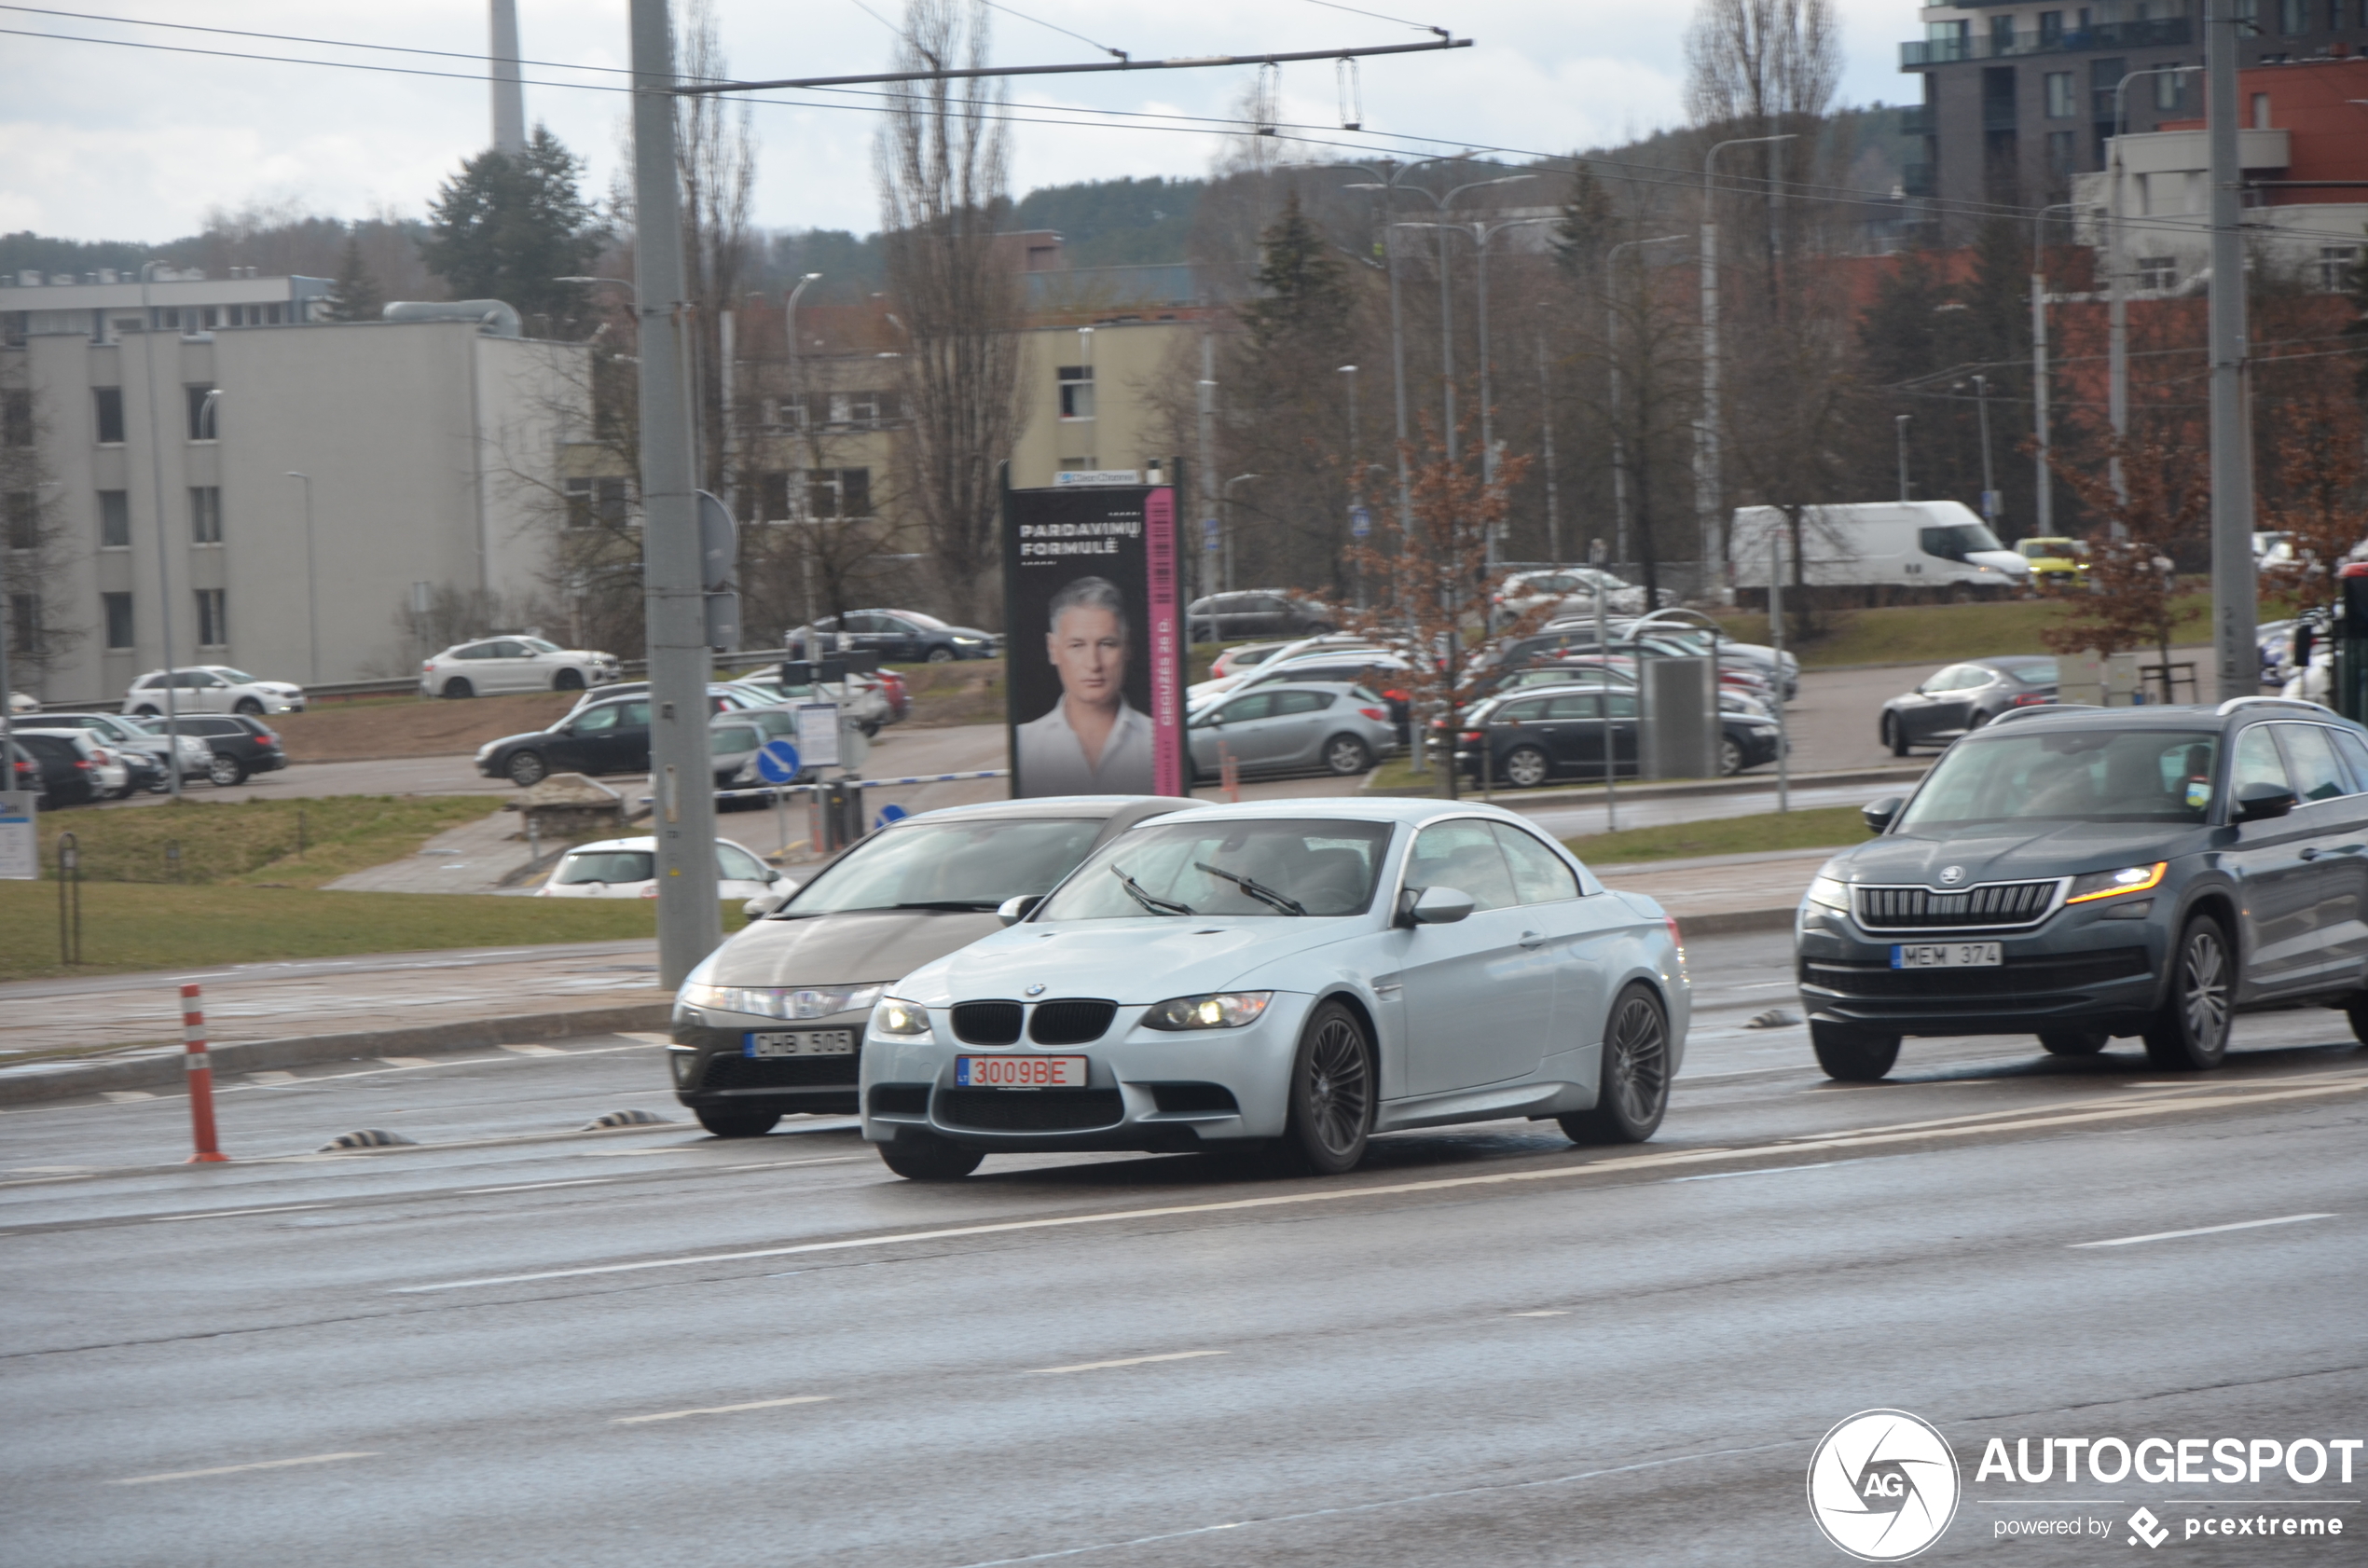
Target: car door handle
{"x":1533,"y":939}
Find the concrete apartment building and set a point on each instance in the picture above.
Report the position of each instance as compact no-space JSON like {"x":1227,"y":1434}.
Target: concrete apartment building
{"x":168,"y":433}
{"x":2020,"y":96}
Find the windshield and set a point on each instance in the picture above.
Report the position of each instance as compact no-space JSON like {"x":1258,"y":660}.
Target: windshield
{"x":236,"y":677}
{"x":947,"y":865}
{"x":537,"y":645}
{"x":2120,"y":775}
{"x":736,"y":738}
{"x":1228,"y":867}
{"x":605,"y":865}
{"x":1957,"y":541}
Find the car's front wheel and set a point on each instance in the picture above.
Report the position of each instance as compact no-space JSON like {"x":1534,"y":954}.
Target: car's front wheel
{"x":2191,"y":1032}
{"x":1344,"y":755}
{"x":1631,"y":1090}
{"x":1525,"y":767}
{"x":941,"y":655}
{"x":1332,"y":1092}
{"x":2073,"y":1042}
{"x":1731,"y":757}
{"x":570,"y":680}
{"x":1852,"y":1055}
{"x":919,"y":1155}
{"x":2357,"y":1010}
{"x":225,"y":771}
{"x":736,"y":1121}
{"x":526,"y":768}
{"x":249,"y":707}
{"x":1894,"y":736}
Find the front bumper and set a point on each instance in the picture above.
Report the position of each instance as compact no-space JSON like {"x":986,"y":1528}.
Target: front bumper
{"x":2078,"y":968}
{"x":711,"y":1065}
{"x":1147,"y":1089}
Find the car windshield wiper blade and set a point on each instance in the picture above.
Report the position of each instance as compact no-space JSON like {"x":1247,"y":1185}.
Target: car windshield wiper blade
{"x":1151,"y":901}
{"x":957,"y":905}
{"x":1256,"y":889}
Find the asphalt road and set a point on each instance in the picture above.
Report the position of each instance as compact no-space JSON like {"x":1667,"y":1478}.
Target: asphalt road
{"x":520,"y":1343}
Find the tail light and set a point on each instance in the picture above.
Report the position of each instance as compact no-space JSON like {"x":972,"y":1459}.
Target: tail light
{"x":1377,"y":715}
{"x":1676,"y":938}
{"x":1471,"y":737}
{"x":2028,"y":700}
{"x":269,"y":733}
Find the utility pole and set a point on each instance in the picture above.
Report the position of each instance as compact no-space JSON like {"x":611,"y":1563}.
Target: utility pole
{"x":164,"y":551}
{"x":1899,"y":424}
{"x":1207,"y":388}
{"x":1709,"y":481}
{"x":2043,"y":481}
{"x":683,"y":812}
{"x":2233,"y":586}
{"x":1546,"y":414}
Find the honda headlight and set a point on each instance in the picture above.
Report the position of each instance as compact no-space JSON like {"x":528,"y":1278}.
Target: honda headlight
{"x":2112,"y":884}
{"x":783,"y":1001}
{"x":901,"y":1019}
{"x":1830,"y":892}
{"x":1218,"y":1010}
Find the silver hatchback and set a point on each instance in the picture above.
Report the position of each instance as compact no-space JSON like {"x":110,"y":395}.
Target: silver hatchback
{"x":1292,"y":727}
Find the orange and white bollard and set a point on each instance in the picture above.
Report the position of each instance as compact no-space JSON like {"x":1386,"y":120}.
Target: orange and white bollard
{"x":200,"y":1081}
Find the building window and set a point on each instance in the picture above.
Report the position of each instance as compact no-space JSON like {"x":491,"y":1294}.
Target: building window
{"x":2062,"y":104}
{"x":2261,"y":111}
{"x":2060,"y":158}
{"x":119,"y":612}
{"x":838,"y":493}
{"x":2051,"y":29}
{"x":213,"y":625}
{"x":15,"y":418}
{"x":2293,"y":16}
{"x":2157,"y":272}
{"x":1077,"y":390}
{"x":2171,"y":90}
{"x":107,"y":406}
{"x":203,"y":420}
{"x":595,"y":499}
{"x":24,"y":624}
{"x":770,"y":497}
{"x":205,"y":513}
{"x":24,"y":520}
{"x":2001,"y":35}
{"x":2337,"y":265}
{"x":114,"y":519}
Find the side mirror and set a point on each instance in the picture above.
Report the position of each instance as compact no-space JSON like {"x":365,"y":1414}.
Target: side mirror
{"x":758,"y":908}
{"x":1012,"y":911}
{"x":1878,"y":814}
{"x":1439,"y":906}
{"x":2257,"y":802}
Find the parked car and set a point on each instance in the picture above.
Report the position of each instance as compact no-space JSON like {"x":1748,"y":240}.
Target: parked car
{"x":1292,"y":727}
{"x":723,"y":696}
{"x":131,"y":734}
{"x":1618,"y":675}
{"x":862,"y":697}
{"x":899,"y":636}
{"x":2056,"y":561}
{"x":1535,"y":736}
{"x":1386,"y":674}
{"x":512,"y":664}
{"x":898,"y":692}
{"x":913,"y":891}
{"x":609,"y":736}
{"x":212,"y":689}
{"x":241,"y":744}
{"x":1300,"y":974}
{"x":1240,"y":657}
{"x":1256,"y":613}
{"x":27,"y":774}
{"x":1573,"y":589}
{"x":2089,"y":875}
{"x":20,"y":703}
{"x":733,"y":741}
{"x":627,"y":868}
{"x":116,"y":771}
{"x":1958,"y":698}
{"x":69,"y":776}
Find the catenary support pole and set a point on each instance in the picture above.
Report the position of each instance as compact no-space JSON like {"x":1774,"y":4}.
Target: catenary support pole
{"x":1545,"y":415}
{"x":201,"y":1066}
{"x":680,"y":777}
{"x":2235,"y":653}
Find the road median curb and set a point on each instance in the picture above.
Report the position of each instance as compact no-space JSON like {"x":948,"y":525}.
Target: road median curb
{"x":65,"y":1079}
{"x":1737,"y":922}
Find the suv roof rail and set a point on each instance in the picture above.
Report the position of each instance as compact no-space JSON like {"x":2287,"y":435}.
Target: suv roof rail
{"x":2035,"y":708}
{"x":2233,"y":704}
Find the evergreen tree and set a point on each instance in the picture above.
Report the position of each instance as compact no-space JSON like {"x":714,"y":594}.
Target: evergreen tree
{"x":507,"y":228}
{"x":1307,"y":291}
{"x":1585,"y":231}
{"x":357,"y":296}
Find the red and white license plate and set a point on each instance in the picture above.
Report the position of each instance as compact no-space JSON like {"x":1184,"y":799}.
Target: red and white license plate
{"x":1019,"y":1072}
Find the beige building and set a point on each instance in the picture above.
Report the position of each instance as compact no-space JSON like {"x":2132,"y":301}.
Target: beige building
{"x":171,"y":438}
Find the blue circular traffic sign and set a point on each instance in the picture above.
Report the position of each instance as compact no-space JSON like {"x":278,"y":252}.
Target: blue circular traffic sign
{"x":891,"y":814}
{"x":776,"y":762}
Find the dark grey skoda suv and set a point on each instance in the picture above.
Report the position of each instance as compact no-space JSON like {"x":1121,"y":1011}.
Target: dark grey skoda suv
{"x":2086,"y":875}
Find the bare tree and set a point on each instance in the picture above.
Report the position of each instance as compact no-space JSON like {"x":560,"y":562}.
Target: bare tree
{"x":942,"y":166}
{"x":715,"y":162}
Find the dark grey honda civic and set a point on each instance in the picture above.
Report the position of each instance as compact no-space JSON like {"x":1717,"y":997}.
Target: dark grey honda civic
{"x":2089,"y":874}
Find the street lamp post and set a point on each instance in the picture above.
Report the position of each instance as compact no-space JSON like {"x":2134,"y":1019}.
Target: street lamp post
{"x":164,"y":557}
{"x":1228,"y":497}
{"x":1899,"y":424}
{"x":1396,"y":340}
{"x":1611,"y":345}
{"x":1709,"y":482}
{"x":2043,"y":512}
{"x":312,"y":582}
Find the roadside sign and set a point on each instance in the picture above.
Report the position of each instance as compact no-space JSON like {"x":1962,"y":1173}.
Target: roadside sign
{"x":855,"y":746}
{"x":776,"y":762}
{"x":891,"y":814}
{"x":1360,"y":522}
{"x":817,"y":733}
{"x":20,"y":837}
{"x":1208,"y":533}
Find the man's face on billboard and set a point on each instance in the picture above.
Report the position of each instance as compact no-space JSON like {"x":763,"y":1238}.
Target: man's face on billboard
{"x":1088,"y":647}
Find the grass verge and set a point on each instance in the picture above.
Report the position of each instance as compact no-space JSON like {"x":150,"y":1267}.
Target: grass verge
{"x":286,"y":843}
{"x":1938,"y":633}
{"x":1831,"y":826}
{"x":126,"y":926}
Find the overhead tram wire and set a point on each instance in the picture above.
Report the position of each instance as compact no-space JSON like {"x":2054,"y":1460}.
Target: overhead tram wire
{"x":1056,"y":27}
{"x":1417,"y":26}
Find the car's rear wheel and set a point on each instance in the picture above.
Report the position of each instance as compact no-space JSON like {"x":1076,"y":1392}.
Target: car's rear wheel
{"x":919,"y":1155}
{"x":1894,"y":736}
{"x":941,"y":655}
{"x":456,"y":687}
{"x":249,"y":707}
{"x":2073,"y":1042}
{"x":736,"y":1121}
{"x":225,"y":771}
{"x":2191,"y":1032}
{"x":1526,"y":767}
{"x":568,"y":680}
{"x":1332,"y":1092}
{"x":1632,"y":1091}
{"x":2357,"y":1010}
{"x":1344,"y":755}
{"x":526,"y":768}
{"x":1852,"y":1055}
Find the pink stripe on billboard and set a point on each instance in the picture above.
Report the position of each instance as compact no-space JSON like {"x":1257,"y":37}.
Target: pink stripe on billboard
{"x":1167,"y":652}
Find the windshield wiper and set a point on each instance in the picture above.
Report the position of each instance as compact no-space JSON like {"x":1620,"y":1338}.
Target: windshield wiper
{"x":1151,"y":901}
{"x":1256,"y":889}
{"x":956,"y":905}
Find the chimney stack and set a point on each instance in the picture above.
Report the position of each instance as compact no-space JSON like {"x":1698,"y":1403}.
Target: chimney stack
{"x":509,"y":97}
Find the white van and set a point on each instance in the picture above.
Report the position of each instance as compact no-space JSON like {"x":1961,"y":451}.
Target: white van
{"x":1937,"y":547}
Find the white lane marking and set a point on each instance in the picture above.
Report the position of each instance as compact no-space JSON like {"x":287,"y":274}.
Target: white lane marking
{"x":1550,"y":1312}
{"x":232,"y":1214}
{"x":270,"y":1076}
{"x":1765,"y":1170}
{"x":408,"y":1061}
{"x":786,"y":1165}
{"x":234,"y":1469}
{"x":2205,"y":1230}
{"x":534,"y":1050}
{"x":1128,"y":1361}
{"x":125,"y":1096}
{"x":536,"y":1185}
{"x":725,"y":1409}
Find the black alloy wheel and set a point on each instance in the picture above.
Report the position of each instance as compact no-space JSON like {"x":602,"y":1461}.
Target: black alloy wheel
{"x":2073,"y":1042}
{"x":225,"y":771}
{"x":1526,"y":767}
{"x":917,"y":1154}
{"x":526,"y":768}
{"x":941,"y":655}
{"x":736,"y":1121}
{"x":2191,"y":1032}
{"x":1332,"y":1092}
{"x":1632,"y":1090}
{"x":457,"y":687}
{"x":1852,"y":1055}
{"x":1894,"y":734}
{"x":568,"y":680}
{"x":1346,"y":755}
{"x":249,"y":707}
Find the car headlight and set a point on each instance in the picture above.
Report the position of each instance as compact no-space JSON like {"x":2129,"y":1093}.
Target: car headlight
{"x":970,"y":641}
{"x":783,"y":1001}
{"x":1218,"y":1010}
{"x":2112,"y":884}
{"x":905,"y":1020}
{"x":1830,"y":892}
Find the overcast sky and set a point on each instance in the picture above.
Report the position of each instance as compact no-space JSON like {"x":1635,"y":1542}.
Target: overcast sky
{"x":102,"y":141}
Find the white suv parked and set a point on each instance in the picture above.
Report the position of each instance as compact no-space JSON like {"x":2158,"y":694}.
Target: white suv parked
{"x":512,"y":664}
{"x":212,"y":689}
